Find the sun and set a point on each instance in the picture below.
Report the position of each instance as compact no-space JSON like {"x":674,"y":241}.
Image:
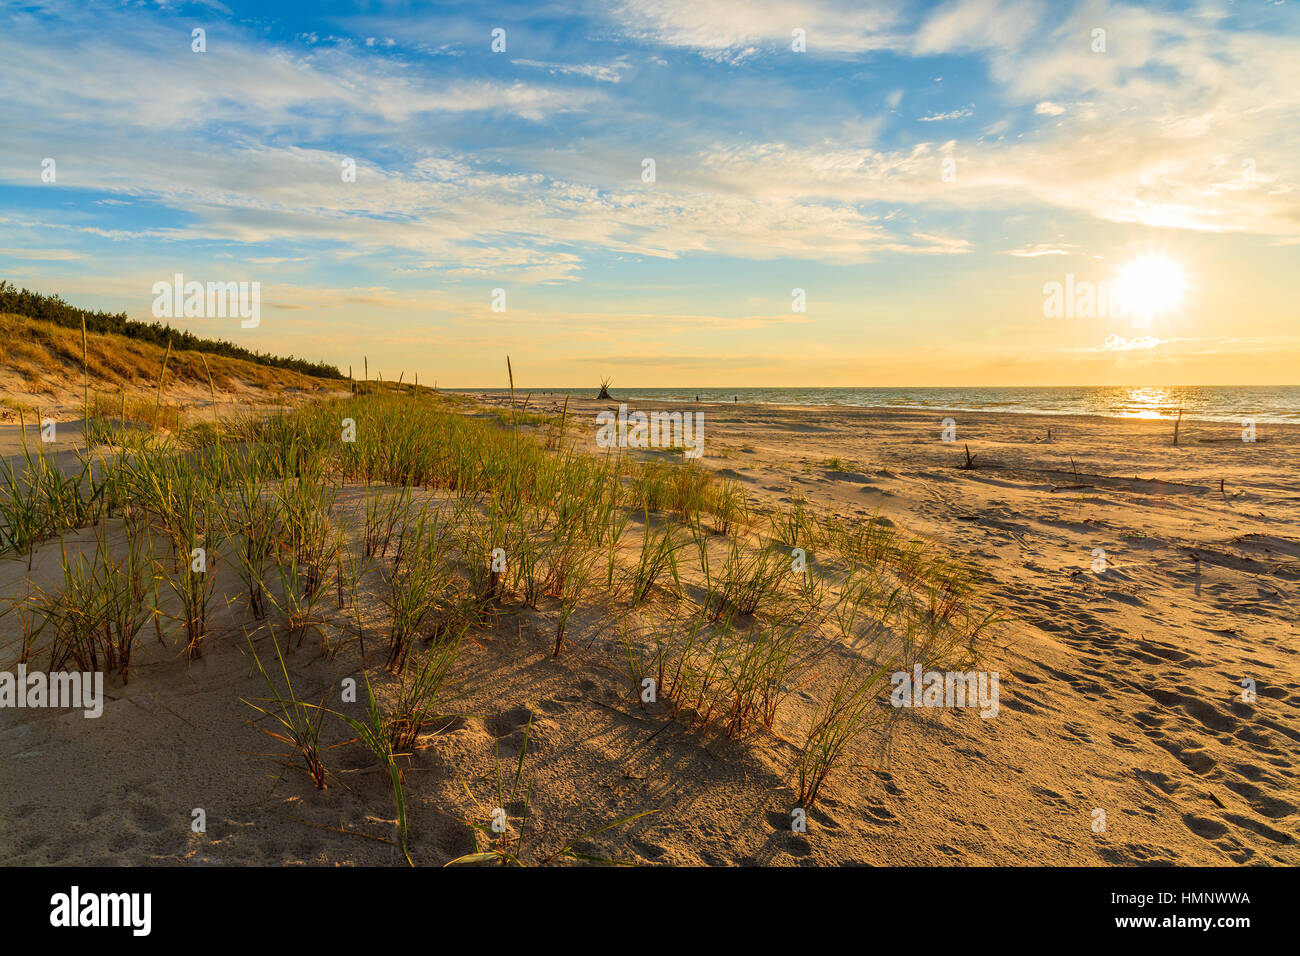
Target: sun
{"x":1150,"y":286}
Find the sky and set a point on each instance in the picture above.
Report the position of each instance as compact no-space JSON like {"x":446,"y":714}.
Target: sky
{"x":648,"y":183}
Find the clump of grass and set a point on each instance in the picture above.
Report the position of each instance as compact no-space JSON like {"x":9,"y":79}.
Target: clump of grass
{"x":128,"y":590}
{"x":102,"y":606}
{"x":517,"y":416}
{"x":570,"y":588}
{"x":39,"y":499}
{"x":252,"y":521}
{"x":797,"y":527}
{"x":375,"y":733}
{"x":478,"y":546}
{"x":76,"y":612}
{"x":861,"y":590}
{"x":706,"y":671}
{"x":419,"y":692}
{"x":417,"y":584}
{"x":527,"y":560}
{"x":297,"y":723}
{"x":853,"y":707}
{"x":760,"y":673}
{"x":384,"y":513}
{"x":749,"y":580}
{"x":180,"y":494}
{"x":658,"y":556}
{"x":730,"y":507}
{"x":307,"y":548}
{"x":202,"y":435}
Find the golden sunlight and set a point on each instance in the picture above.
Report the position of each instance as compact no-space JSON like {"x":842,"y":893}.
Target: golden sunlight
{"x":1150,"y":285}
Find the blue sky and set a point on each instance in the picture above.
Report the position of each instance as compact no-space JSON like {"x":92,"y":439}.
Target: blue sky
{"x":775,"y":169}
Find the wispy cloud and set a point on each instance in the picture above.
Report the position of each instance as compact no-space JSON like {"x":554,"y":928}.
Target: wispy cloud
{"x":606,"y":73}
{"x":951,"y":115}
{"x":42,"y":255}
{"x":736,"y":30}
{"x":1143,"y":343}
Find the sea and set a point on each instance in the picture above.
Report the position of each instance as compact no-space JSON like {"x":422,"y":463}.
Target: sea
{"x":1235,"y":403}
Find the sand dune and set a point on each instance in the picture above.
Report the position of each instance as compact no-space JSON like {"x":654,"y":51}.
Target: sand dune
{"x":1121,"y":689}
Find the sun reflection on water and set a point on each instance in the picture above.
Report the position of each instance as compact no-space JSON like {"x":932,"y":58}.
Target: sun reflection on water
{"x":1145,"y":402}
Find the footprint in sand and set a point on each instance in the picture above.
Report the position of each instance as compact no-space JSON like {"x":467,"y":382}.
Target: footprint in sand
{"x":1189,"y":754}
{"x":1209,"y":715}
{"x":1205,"y":826}
{"x":1256,"y":826}
{"x":1159,"y":780}
{"x":1260,"y":800}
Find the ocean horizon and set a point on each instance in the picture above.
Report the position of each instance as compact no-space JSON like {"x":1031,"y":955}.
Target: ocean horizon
{"x":1225,"y":403}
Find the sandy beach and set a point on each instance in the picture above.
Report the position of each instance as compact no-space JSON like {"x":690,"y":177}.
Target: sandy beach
{"x":1141,"y":583}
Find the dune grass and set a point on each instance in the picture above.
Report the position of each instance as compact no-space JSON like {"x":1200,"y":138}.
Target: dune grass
{"x":455,"y":520}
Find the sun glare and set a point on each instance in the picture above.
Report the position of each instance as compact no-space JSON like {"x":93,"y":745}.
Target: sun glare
{"x":1150,"y":286}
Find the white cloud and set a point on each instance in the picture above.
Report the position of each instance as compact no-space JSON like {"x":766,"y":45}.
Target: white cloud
{"x":42,"y":255}
{"x":1184,"y":346}
{"x":735,"y":30}
{"x":241,"y":81}
{"x":1163,"y":149}
{"x":1117,"y":343}
{"x":967,"y":25}
{"x":954,"y":114}
{"x":606,"y":73}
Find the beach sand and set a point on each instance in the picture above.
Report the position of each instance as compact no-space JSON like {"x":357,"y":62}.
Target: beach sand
{"x":1121,"y":689}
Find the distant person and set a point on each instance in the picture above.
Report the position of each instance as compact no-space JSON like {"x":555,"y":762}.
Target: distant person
{"x":735,"y":398}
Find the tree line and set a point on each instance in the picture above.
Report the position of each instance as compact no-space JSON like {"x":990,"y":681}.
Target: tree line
{"x":52,"y":308}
